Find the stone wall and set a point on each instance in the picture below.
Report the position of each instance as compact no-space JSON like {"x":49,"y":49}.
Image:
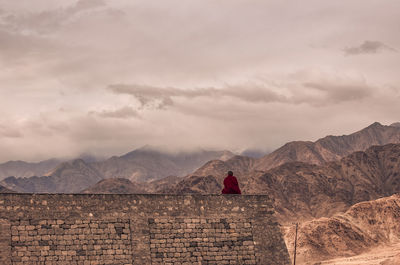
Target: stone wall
{"x":139,"y":229}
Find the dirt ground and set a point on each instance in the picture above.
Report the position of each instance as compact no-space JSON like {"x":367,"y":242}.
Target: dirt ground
{"x":383,"y":255}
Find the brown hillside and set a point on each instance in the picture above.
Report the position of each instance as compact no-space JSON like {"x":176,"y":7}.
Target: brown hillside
{"x":122,"y":185}
{"x":364,"y":226}
{"x":195,"y":184}
{"x":307,"y":191}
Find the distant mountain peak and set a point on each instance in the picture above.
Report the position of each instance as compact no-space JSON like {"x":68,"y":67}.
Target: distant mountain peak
{"x":78,"y":161}
{"x":69,"y":164}
{"x":396,"y":124}
{"x":375,"y":125}
{"x":148,"y":147}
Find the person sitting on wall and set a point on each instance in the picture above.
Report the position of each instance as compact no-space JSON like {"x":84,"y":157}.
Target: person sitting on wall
{"x":231,"y":185}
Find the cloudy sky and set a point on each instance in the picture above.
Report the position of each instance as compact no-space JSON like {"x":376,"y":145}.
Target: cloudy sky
{"x":106,"y":77}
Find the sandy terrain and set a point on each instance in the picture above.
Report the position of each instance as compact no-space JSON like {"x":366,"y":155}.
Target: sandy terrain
{"x":383,"y":255}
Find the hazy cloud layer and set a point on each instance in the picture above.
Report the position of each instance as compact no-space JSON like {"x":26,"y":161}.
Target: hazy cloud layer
{"x":7,"y":132}
{"x":122,"y":113}
{"x":46,"y":21}
{"x":165,"y":95}
{"x":308,"y":87}
{"x":105,"y":77}
{"x":341,"y":92}
{"x":368,"y":47}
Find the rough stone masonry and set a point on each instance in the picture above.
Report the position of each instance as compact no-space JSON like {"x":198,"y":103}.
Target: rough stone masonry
{"x":139,"y":229}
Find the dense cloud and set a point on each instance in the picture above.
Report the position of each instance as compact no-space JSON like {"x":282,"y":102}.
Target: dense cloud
{"x":105,"y":77}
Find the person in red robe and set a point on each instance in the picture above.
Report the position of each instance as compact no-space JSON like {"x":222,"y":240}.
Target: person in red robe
{"x":231,"y":185}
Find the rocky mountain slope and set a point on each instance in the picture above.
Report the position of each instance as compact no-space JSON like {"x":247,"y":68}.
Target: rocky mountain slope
{"x":240,"y":165}
{"x":5,"y":190}
{"x":305,"y":191}
{"x":311,"y":191}
{"x":25,"y":169}
{"x":195,"y":184}
{"x":122,"y":185}
{"x":161,"y":185}
{"x":69,"y":177}
{"x":363,"y":226}
{"x":115,"y":185}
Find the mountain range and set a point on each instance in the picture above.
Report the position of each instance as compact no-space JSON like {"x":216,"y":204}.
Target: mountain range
{"x":148,"y":165}
{"x":303,"y":191}
{"x":25,"y":170}
{"x":142,"y":165}
{"x":331,"y":148}
{"x":68,"y":177}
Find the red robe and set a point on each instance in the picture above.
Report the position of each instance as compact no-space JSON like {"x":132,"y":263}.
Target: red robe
{"x":231,"y":186}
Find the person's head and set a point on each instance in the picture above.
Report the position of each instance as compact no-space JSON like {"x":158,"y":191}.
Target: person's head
{"x":230,"y":173}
